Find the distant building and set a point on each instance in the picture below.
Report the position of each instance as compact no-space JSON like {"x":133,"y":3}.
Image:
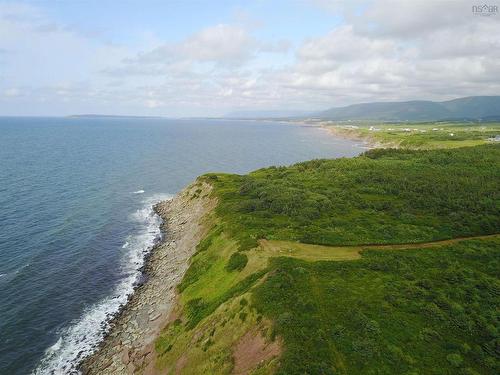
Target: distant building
{"x":495,"y":139}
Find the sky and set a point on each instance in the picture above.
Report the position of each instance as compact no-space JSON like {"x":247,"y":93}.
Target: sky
{"x":207,"y":58}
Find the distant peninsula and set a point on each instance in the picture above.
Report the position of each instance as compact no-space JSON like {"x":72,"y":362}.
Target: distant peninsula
{"x":93,"y":115}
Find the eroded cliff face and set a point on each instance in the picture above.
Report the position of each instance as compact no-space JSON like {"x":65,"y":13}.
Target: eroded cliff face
{"x":129,"y":346}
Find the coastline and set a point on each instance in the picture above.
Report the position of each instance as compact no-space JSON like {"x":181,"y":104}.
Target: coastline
{"x":340,"y":132}
{"x":368,"y":142}
{"x":128,"y":347}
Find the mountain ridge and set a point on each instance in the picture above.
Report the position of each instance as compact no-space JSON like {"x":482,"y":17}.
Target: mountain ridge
{"x":466,"y":108}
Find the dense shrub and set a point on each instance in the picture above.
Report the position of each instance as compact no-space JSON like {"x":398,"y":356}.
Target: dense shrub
{"x":383,"y":196}
{"x":422,"y":310}
{"x":237,"y":262}
{"x":356,"y":328}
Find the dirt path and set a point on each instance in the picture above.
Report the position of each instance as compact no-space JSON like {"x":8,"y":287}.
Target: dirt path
{"x":428,"y":244}
{"x":319,"y":252}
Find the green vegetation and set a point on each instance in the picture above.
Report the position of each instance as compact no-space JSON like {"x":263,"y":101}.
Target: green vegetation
{"x":419,"y":311}
{"x":237,"y":262}
{"x":383,"y":196}
{"x":420,"y":135}
{"x":337,"y":261}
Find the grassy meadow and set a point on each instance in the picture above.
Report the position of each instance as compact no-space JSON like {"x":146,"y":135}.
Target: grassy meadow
{"x":432,"y":135}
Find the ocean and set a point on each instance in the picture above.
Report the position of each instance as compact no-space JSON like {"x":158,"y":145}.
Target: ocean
{"x":76,"y":218}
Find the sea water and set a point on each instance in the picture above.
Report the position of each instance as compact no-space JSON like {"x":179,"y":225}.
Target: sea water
{"x":76,"y":218}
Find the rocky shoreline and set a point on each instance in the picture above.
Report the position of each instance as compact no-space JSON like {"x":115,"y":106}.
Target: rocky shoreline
{"x":129,"y":345}
{"x":368,"y":142}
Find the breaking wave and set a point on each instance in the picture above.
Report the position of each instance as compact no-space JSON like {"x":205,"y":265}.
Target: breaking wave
{"x":81,"y":338}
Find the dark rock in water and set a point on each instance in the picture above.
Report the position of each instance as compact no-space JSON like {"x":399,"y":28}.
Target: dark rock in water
{"x":143,"y":278}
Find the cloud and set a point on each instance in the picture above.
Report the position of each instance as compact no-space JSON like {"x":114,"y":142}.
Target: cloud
{"x":222,"y":46}
{"x":43,"y":52}
{"x":401,"y":50}
{"x":280,"y":46}
{"x":43,"y":61}
{"x":382,"y":50}
{"x":343,"y":45}
{"x":408,"y":19}
{"x":221,"y":43}
{"x":12,"y":92}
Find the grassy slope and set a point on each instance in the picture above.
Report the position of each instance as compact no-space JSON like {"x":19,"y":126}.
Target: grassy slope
{"x":422,"y":135}
{"x":414,"y":311}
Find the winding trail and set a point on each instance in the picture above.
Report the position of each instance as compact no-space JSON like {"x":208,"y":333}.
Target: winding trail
{"x":272,"y":248}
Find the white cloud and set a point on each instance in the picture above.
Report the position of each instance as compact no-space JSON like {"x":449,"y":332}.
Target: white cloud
{"x":41,"y":52}
{"x":402,"y":19}
{"x":385,"y":51}
{"x":12,"y":92}
{"x":343,"y":45}
{"x":382,"y":51}
{"x":401,"y":50}
{"x":221,"y":43}
{"x":222,"y":46}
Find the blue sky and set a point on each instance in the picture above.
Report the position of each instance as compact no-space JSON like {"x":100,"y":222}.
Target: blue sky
{"x":121,"y":21}
{"x":207,"y":58}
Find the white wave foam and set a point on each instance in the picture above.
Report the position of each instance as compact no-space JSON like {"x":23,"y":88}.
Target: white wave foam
{"x":138,"y":192}
{"x":9,"y":276}
{"x":22,"y":268}
{"x":81,"y":338}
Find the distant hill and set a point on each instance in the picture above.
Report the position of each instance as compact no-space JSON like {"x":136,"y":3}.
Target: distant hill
{"x":469,"y":108}
{"x":92,"y":115}
{"x":265,"y":114}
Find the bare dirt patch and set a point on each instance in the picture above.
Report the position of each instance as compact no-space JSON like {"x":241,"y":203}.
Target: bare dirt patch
{"x":253,"y":349}
{"x":181,"y":362}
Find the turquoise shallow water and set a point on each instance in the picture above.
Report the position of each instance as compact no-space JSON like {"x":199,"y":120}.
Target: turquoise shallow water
{"x":76,"y":218}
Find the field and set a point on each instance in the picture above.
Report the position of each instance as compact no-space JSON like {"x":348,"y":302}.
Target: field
{"x":382,"y":264}
{"x":419,"y":135}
